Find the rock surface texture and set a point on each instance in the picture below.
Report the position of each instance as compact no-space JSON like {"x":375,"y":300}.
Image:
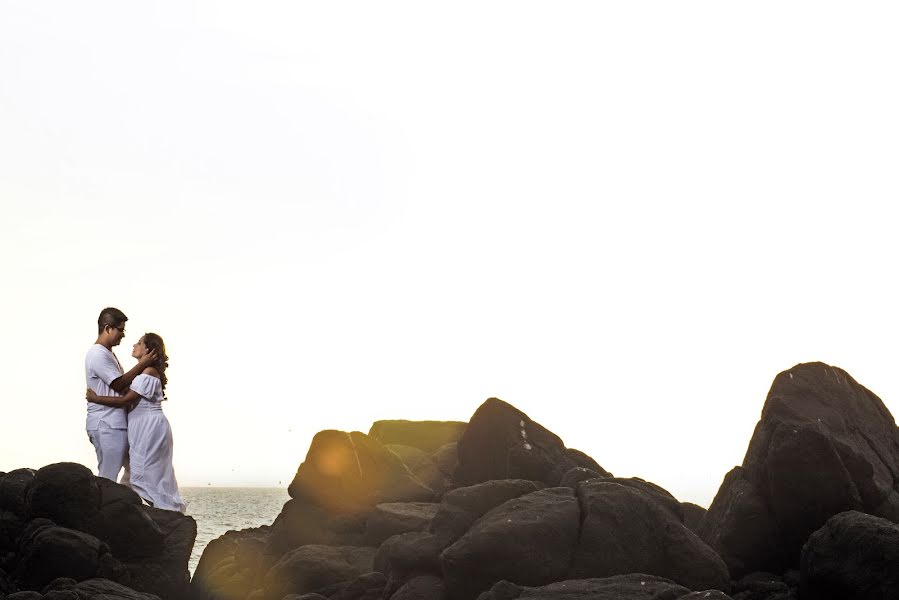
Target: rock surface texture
{"x":824,"y":445}
{"x":497,"y":509}
{"x":68,"y":535}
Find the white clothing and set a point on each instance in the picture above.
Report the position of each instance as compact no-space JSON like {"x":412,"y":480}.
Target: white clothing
{"x":101,"y":368}
{"x":150,"y":447}
{"x":112,"y":450}
{"x":106,"y":425}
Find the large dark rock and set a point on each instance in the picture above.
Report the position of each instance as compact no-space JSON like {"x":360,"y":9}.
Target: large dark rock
{"x":854,"y":556}
{"x":423,"y":587}
{"x":66,"y":493}
{"x":693,"y":516}
{"x":369,"y":586}
{"x":625,"y":529}
{"x":501,"y":442}
{"x":461,"y":507}
{"x":128,"y":529}
{"x":424,"y":435}
{"x":104,"y":589}
{"x":165,"y":574}
{"x":350,"y":472}
{"x":824,"y":445}
{"x":314,"y":567}
{"x":232,"y":565}
{"x":13,"y":489}
{"x":408,"y":555}
{"x":422,"y":466}
{"x":528,"y":540}
{"x":48,"y":552}
{"x":635,"y":586}
{"x":393,"y":518}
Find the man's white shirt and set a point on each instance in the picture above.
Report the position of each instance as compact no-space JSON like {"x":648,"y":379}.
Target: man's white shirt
{"x":101,"y":368}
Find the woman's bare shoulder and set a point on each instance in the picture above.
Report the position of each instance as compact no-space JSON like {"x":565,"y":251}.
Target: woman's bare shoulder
{"x":152,"y":372}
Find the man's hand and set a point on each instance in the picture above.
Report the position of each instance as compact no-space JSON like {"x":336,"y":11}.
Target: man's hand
{"x":90,"y":396}
{"x":147,"y":359}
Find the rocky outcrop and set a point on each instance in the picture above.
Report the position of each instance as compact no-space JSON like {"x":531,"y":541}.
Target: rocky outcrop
{"x":501,"y":442}
{"x":62,"y":524}
{"x":824,"y":445}
{"x":508,"y":511}
{"x":854,"y":556}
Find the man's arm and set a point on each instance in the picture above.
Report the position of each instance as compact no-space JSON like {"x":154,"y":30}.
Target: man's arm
{"x":117,"y":401}
{"x":123,"y":382}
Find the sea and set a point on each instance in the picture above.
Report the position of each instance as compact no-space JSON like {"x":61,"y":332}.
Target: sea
{"x":221,"y":509}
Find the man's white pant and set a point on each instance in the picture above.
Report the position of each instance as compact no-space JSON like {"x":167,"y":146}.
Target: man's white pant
{"x":112,"y":451}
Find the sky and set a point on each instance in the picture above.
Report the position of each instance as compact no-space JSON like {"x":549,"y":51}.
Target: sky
{"x":622,"y":218}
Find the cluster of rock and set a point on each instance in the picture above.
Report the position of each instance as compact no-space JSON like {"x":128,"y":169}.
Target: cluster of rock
{"x":499,"y":509}
{"x":68,"y":535}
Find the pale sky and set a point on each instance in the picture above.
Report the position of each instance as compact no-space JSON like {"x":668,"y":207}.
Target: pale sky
{"x":623,"y":218}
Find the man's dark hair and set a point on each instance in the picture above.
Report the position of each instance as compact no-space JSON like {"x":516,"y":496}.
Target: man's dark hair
{"x":112,"y":317}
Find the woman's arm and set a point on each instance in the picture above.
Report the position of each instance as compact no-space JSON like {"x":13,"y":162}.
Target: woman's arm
{"x":121,"y":383}
{"x":118,"y":401}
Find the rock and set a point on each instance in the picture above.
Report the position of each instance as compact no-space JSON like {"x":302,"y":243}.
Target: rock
{"x":853,"y":556}
{"x":585,"y":461}
{"x":13,"y":488}
{"x":66,"y":493}
{"x":165,"y":574}
{"x":11,"y":526}
{"x":706,"y":595}
{"x":424,"y":435}
{"x":693,"y":516}
{"x":626,"y":530}
{"x":528,"y":540}
{"x":300,"y":522}
{"x":635,"y":586}
{"x":26,"y":595}
{"x":128,"y":530}
{"x":501,"y":442}
{"x":408,"y":555}
{"x":824,"y":445}
{"x":423,"y":587}
{"x":575,"y":475}
{"x":314,"y":567}
{"x":369,"y":586}
{"x":446,"y":458}
{"x":461,"y":507}
{"x":392,"y":518}
{"x":60,"y":583}
{"x":232,"y":565}
{"x":48,"y":552}
{"x":739,"y":526}
{"x":350,"y":472}
{"x":661,"y":496}
{"x":104,"y":589}
{"x":62,"y":595}
{"x":111,"y":492}
{"x":421,"y":466}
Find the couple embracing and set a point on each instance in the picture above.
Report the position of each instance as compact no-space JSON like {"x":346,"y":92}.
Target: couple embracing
{"x":125,"y":422}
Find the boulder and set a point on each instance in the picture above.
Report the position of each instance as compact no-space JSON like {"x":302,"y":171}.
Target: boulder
{"x":693,"y":516}
{"x":128,"y":530}
{"x":824,"y":445}
{"x":626,"y":530}
{"x":165,"y":574}
{"x":232,"y":565}
{"x":528,"y":540}
{"x":461,"y":507}
{"x":66,"y":493}
{"x":13,"y":489}
{"x":47,"y":552}
{"x":350,"y":472}
{"x":854,"y":556}
{"x":424,"y":435}
{"x":501,"y":442}
{"x":422,"y":466}
{"x":314,"y":567}
{"x":369,"y":586}
{"x":392,"y":518}
{"x":104,"y":589}
{"x":11,"y":526}
{"x":446,"y":459}
{"x":423,"y":587}
{"x":405,"y":556}
{"x":635,"y":586}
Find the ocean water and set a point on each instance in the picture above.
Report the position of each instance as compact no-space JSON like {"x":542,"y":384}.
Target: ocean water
{"x":220,"y":509}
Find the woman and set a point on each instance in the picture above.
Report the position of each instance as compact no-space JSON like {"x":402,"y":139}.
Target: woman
{"x":149,"y":433}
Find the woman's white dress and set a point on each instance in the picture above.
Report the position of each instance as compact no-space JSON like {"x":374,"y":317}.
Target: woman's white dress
{"x":150,"y":447}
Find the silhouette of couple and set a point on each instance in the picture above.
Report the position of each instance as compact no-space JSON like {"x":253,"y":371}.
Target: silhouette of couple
{"x":125,"y":422}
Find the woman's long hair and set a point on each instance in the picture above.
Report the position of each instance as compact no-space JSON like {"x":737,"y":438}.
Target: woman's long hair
{"x":153,"y":341}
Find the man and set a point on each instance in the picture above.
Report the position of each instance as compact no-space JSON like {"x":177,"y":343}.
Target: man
{"x":107,"y":426}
